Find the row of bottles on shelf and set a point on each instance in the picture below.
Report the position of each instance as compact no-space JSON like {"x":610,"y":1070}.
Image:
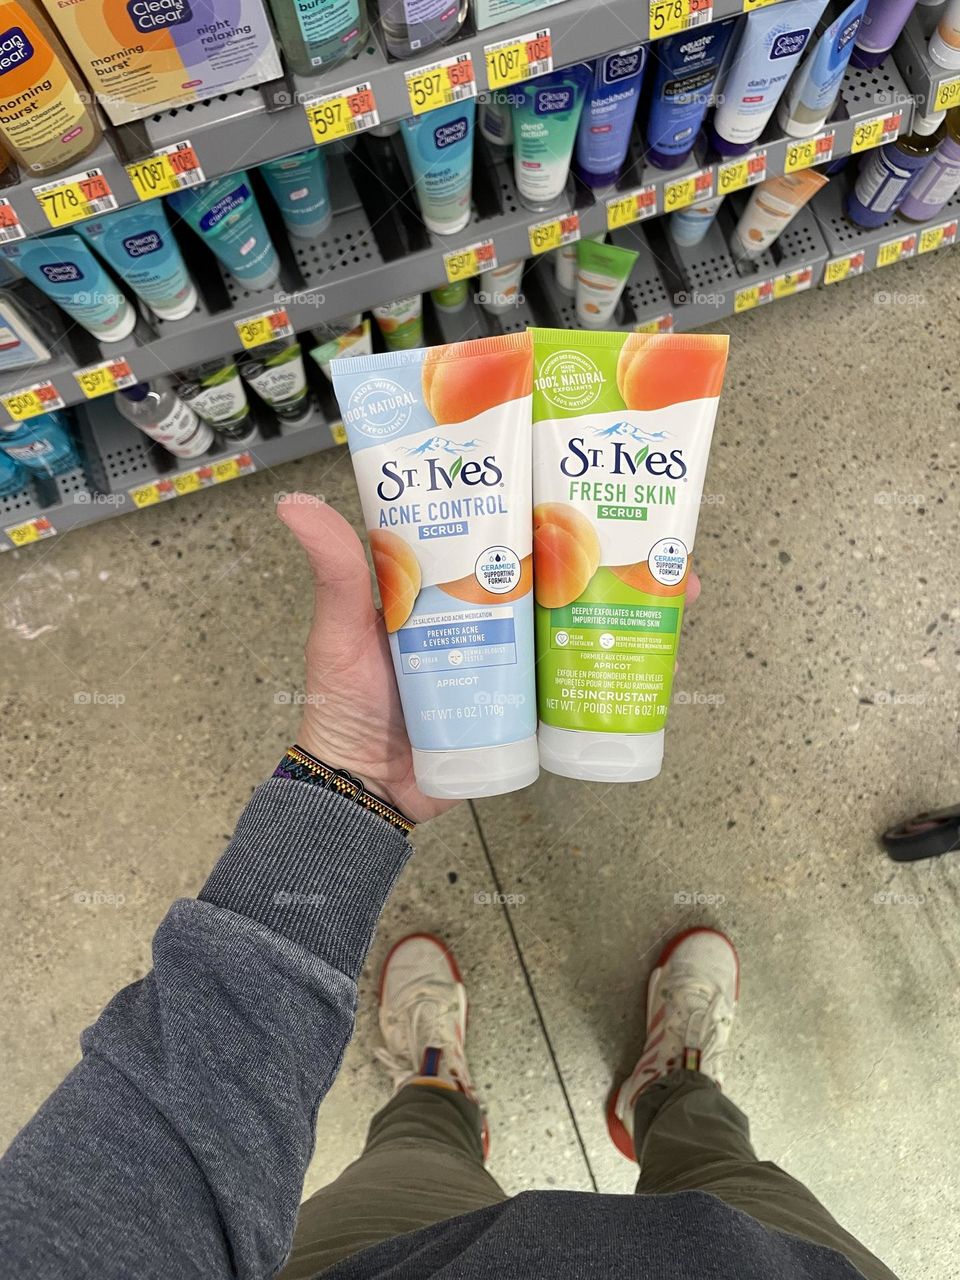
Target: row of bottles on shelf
{"x":914,"y":176}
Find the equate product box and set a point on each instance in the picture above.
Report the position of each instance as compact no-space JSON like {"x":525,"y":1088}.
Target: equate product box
{"x":142,"y":56}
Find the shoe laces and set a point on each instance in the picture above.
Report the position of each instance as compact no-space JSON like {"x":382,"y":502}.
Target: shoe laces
{"x":424,"y":1013}
{"x":699,"y":1017}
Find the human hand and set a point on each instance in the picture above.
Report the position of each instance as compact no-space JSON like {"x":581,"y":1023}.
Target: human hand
{"x":352,"y":718}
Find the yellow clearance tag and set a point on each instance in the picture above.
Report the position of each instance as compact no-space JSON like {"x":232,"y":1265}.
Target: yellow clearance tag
{"x":837,"y":269}
{"x":554,"y":233}
{"x":809,"y":151}
{"x":42,"y":397}
{"x":147,"y":495}
{"x":737,"y":174}
{"x":894,"y":250}
{"x":622,"y":210}
{"x":254,"y":331}
{"x":683,"y":191}
{"x":21,"y":535}
{"x":935,"y":237}
{"x":669,"y":16}
{"x":522,"y":58}
{"x":341,"y":114}
{"x":170,"y":169}
{"x":101,"y":379}
{"x":461,"y":264}
{"x":947,"y":95}
{"x":662,"y":324}
{"x":338,"y":432}
{"x":875,"y":132}
{"x":80,"y":196}
{"x":791,"y":282}
{"x":441,"y":83}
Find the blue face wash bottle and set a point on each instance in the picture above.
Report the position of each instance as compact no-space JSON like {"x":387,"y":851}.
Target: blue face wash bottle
{"x":298,"y":184}
{"x":41,"y":444}
{"x":226,"y":215}
{"x":687,"y":66}
{"x":67,"y":271}
{"x":608,"y":115}
{"x":139,"y":245}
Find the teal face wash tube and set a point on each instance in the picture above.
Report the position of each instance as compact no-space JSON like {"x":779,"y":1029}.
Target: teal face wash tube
{"x":226,"y":215}
{"x":622,"y":424}
{"x":139,"y":245}
{"x":70,"y":273}
{"x":439,"y":146}
{"x":546,"y":115}
{"x":298,"y":183}
{"x":440,"y":442}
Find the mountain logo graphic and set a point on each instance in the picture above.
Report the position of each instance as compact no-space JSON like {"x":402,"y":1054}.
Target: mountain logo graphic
{"x":440,"y":444}
{"x":627,"y":431}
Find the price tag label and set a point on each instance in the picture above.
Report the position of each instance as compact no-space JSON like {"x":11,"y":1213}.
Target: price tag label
{"x":147,"y":495}
{"x":339,"y":432}
{"x":837,"y":269}
{"x":461,"y":264}
{"x":660,"y":324}
{"x":554,"y":233}
{"x":937,"y":237}
{"x":632,"y":207}
{"x":947,"y":95}
{"x":341,"y":114}
{"x":42,"y":397}
{"x":791,"y":282}
{"x":254,"y":331}
{"x":21,"y":535}
{"x":186,"y":482}
{"x":110,"y":375}
{"x":876,"y":132}
{"x":753,"y":295}
{"x":440,"y":83}
{"x":10,"y":225}
{"x":241,"y":464}
{"x":669,"y":16}
{"x":809,"y":151}
{"x":750,"y":5}
{"x":746,"y":172}
{"x":70,"y":199}
{"x":522,"y":58}
{"x":683,"y":191}
{"x":895,"y":250}
{"x":170,"y":169}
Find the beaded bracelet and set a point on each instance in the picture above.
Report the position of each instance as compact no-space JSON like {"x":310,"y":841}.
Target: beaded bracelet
{"x":298,"y":765}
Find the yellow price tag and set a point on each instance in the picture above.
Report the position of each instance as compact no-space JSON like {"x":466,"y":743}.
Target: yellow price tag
{"x":254,"y":331}
{"x":42,"y":397}
{"x":441,"y":83}
{"x":145,"y":495}
{"x":510,"y":61}
{"x":338,"y":432}
{"x":102,"y":379}
{"x":544,"y":236}
{"x":623,"y":210}
{"x":791,"y":282}
{"x":82,"y":195}
{"x":750,"y":5}
{"x":745,"y":172}
{"x":947,"y":95}
{"x":225,"y":469}
{"x":341,"y":114}
{"x":838,"y":269}
{"x":662,"y":324}
{"x":21,"y":535}
{"x":683,"y":191}
{"x":669,"y":16}
{"x":933,"y":237}
{"x":461,"y":264}
{"x":11,"y":227}
{"x":186,"y":482}
{"x":745,"y":299}
{"x":809,"y":151}
{"x":171,"y":169}
{"x":895,"y":250}
{"x":875,"y":132}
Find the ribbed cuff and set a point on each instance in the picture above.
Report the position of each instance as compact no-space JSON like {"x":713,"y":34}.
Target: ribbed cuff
{"x":310,"y":865}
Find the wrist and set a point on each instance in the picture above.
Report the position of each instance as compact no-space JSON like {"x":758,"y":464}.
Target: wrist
{"x":301,"y":765}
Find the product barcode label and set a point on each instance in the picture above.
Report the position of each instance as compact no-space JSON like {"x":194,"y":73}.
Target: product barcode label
{"x":632,"y":207}
{"x":790,"y":282}
{"x":341,"y":114}
{"x":83,"y":195}
{"x":170,"y":169}
{"x":659,"y":324}
{"x":254,"y":331}
{"x":441,"y":83}
{"x":876,"y":132}
{"x":10,"y":225}
{"x":27,"y":402}
{"x":101,"y":379}
{"x":670,"y":16}
{"x":745,"y":172}
{"x":202,"y":477}
{"x":554,"y":233}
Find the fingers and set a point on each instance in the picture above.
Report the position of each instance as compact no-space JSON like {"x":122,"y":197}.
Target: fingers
{"x":344,"y":598}
{"x":693,"y":588}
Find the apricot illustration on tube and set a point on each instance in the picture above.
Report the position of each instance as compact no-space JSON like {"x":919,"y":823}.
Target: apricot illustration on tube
{"x":469,"y":588}
{"x":398,"y":573}
{"x":455,"y":390}
{"x":652,"y":373}
{"x":566,"y":554}
{"x":639,"y":577}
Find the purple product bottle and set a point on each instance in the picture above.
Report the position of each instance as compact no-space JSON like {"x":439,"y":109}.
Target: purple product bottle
{"x":939,"y":181}
{"x":882,"y":23}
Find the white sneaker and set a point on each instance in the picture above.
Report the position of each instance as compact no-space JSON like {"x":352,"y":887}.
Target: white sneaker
{"x":691,"y":998}
{"x":423,"y":1018}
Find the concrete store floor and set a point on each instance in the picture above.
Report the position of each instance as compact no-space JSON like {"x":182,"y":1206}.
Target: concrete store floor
{"x":816,"y":703}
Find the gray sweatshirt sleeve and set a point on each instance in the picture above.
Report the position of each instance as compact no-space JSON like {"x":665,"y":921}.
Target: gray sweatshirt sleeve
{"x":178,"y":1145}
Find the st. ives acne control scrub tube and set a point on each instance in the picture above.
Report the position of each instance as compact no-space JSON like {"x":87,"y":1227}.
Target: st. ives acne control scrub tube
{"x":440,"y":440}
{"x":621,"y":436}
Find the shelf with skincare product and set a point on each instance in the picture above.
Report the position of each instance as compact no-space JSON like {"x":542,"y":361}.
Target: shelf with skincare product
{"x":854,"y":250}
{"x":935,"y":87}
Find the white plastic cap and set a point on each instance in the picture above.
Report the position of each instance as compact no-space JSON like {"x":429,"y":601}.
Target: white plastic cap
{"x":310,"y":230}
{"x":928,"y":124}
{"x":446,"y":228}
{"x":266,"y":280}
{"x":122,"y":329}
{"x":477,"y":771}
{"x":181,"y":309}
{"x":600,"y":757}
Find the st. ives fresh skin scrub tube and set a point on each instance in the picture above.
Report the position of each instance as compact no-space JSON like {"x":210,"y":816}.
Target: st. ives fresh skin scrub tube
{"x":621,"y":437}
{"x":440,"y":441}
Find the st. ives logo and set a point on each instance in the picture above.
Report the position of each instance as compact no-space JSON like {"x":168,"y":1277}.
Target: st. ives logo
{"x":619,"y":454}
{"x":147,"y":242}
{"x":548,"y":101}
{"x":62,"y":272}
{"x":437,"y":472}
{"x":618,"y":66}
{"x":446,"y":135}
{"x":15,"y":49}
{"x":790,"y":43}
{"x":153,"y":15}
{"x":379,"y":408}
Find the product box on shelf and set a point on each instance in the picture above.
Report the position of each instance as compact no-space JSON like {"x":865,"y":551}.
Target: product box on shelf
{"x":144,"y":56}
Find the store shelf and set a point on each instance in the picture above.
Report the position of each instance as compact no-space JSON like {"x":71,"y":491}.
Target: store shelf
{"x":247,"y":127}
{"x":934,"y":88}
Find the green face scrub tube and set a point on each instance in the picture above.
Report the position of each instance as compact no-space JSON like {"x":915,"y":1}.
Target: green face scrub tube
{"x":622,"y":424}
{"x":602,"y":274}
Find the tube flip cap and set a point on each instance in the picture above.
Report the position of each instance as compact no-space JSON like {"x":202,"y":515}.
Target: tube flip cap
{"x":477,"y":771}
{"x":600,"y":757}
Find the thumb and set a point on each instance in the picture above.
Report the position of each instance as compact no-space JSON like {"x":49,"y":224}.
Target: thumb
{"x":343,"y":594}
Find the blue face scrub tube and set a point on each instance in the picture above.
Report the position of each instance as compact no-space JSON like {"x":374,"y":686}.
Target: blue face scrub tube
{"x":441,"y":445}
{"x":608,"y":115}
{"x":546,"y":114}
{"x":298,"y":183}
{"x":226,"y":215}
{"x":71,"y":274}
{"x":772,"y":41}
{"x":687,"y":66}
{"x":139,"y":245}
{"x":803,"y":109}
{"x":439,"y":146}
